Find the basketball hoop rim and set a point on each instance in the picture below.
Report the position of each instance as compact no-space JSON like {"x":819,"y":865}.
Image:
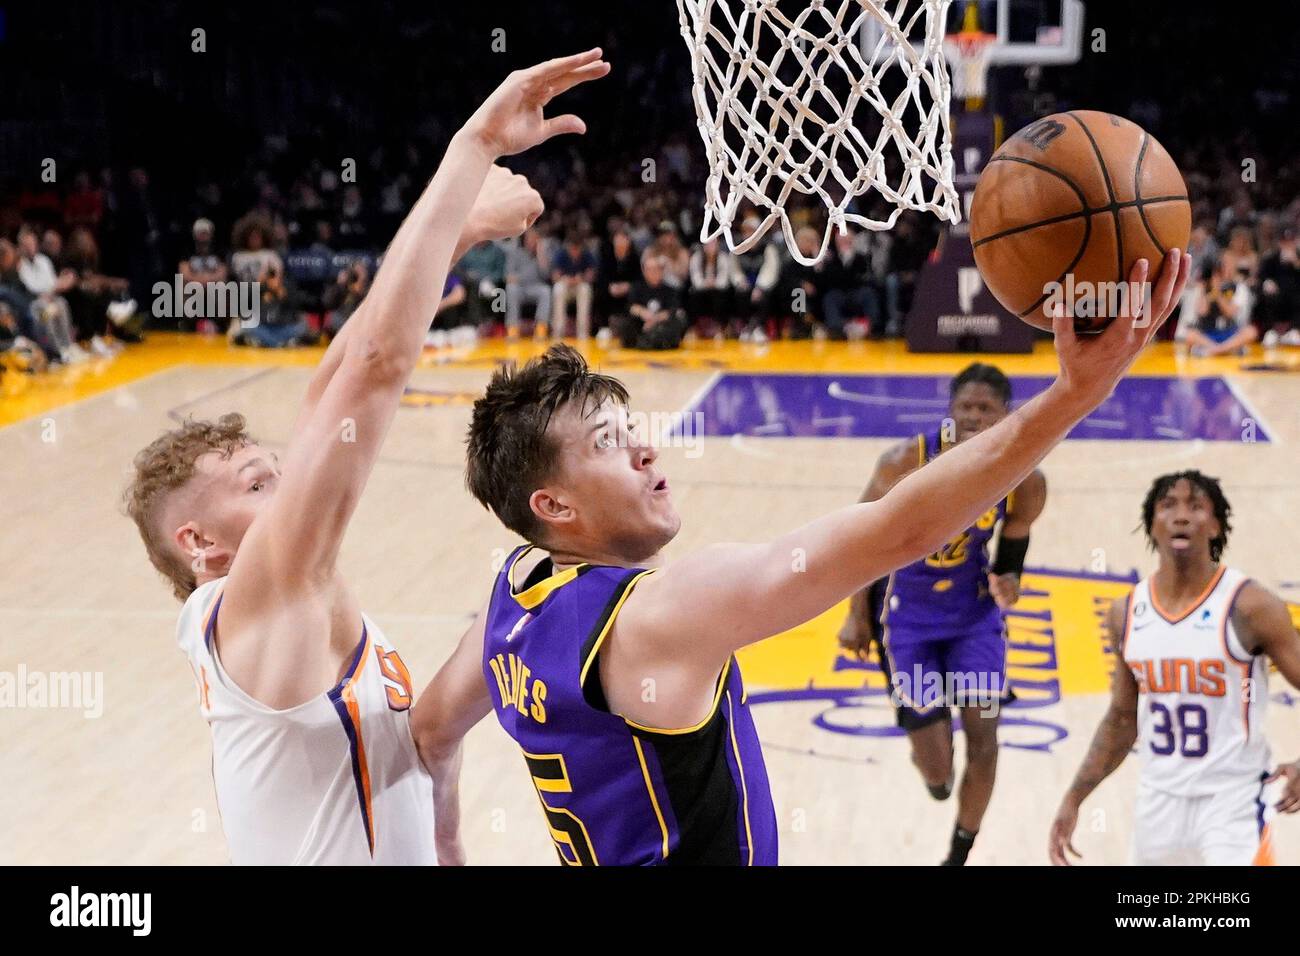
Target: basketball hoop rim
{"x":970,"y":42}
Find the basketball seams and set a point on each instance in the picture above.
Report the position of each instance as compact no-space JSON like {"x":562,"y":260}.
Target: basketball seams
{"x":1110,"y":195}
{"x":1015,"y":230}
{"x":1137,"y":192}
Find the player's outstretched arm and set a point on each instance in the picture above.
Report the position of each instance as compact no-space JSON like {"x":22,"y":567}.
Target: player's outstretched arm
{"x":859,"y":628}
{"x":456,"y":699}
{"x":292,"y":546}
{"x":1110,"y":745}
{"x":1265,"y":624}
{"x":707,"y":605}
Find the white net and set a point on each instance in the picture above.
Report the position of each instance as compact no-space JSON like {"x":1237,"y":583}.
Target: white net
{"x":969,"y":56}
{"x":795,"y":115}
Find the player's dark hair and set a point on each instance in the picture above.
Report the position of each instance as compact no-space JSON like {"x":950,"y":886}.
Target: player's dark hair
{"x":509,"y":454}
{"x":1209,"y":486}
{"x":989,"y":375}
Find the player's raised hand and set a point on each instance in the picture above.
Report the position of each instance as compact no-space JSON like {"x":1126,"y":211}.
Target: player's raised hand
{"x":1092,"y":365}
{"x":513,"y":118}
{"x":506,"y":206}
{"x":1061,"y":838}
{"x":1290,"y":800}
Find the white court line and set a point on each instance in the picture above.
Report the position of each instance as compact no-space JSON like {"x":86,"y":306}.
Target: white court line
{"x":836,"y":390}
{"x":1273,"y":436}
{"x":703,"y":390}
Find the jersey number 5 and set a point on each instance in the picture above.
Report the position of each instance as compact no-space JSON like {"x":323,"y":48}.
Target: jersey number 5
{"x":572,"y":842}
{"x":397,"y":679}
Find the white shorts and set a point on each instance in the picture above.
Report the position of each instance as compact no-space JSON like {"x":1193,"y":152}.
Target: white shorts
{"x":1226,"y":828}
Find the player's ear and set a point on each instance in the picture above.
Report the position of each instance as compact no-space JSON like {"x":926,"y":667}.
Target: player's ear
{"x":550,"y":508}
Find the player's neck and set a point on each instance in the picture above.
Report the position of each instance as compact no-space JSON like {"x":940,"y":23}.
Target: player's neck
{"x":1178,"y":582}
{"x":564,"y":558}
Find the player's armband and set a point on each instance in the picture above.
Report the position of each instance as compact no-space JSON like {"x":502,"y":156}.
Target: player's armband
{"x":1011,"y":555}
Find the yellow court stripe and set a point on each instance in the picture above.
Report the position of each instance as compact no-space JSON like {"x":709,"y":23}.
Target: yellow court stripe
{"x":650,"y":789}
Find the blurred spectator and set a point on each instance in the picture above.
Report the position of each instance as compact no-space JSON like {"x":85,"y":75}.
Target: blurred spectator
{"x":52,"y":247}
{"x":452,"y":311}
{"x":1223,"y":316}
{"x":203,"y":266}
{"x":715,"y":280}
{"x":278,"y":323}
{"x":573,"y":273}
{"x":252,"y":259}
{"x":49,"y":307}
{"x":342,"y":298}
{"x":620,"y":270}
{"x":16,"y":348}
{"x":483,"y":267}
{"x":23,"y":309}
{"x":674,"y":257}
{"x":845,"y":278}
{"x":526,"y":282}
{"x":101,"y":308}
{"x":1279,"y":295}
{"x":759,"y":268}
{"x":655,"y":318}
{"x":907,"y":253}
{"x":1240,"y":258}
{"x":140,"y":235}
{"x":795,"y":301}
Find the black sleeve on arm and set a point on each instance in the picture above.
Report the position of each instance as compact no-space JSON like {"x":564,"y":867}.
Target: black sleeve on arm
{"x":1011,"y":555}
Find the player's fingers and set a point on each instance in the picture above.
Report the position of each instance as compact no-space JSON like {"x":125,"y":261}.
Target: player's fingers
{"x":1164,"y":288}
{"x":550,"y":70}
{"x":1063,"y":329}
{"x":592,"y":71}
{"x":559,"y":125}
{"x":1180,"y":283}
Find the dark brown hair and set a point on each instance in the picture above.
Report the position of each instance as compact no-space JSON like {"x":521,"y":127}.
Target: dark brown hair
{"x":509,"y":454}
{"x":1208,"y":487}
{"x":165,"y":465}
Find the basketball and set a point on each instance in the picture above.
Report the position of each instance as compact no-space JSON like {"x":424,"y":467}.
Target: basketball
{"x":1064,"y":209}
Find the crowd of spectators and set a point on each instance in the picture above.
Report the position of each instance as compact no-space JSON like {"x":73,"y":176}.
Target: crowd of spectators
{"x":617,"y":256}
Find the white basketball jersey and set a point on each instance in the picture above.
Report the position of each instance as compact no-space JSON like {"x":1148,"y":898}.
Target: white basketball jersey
{"x":335,"y":780}
{"x":1201,"y":695}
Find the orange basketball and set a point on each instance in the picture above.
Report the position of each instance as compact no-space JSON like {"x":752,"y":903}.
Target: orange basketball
{"x":1065,"y":208}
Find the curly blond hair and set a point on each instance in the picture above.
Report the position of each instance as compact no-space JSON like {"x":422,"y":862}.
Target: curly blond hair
{"x":165,"y":465}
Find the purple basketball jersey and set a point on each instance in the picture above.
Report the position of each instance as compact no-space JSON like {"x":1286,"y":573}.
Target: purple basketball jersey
{"x":615,"y":792}
{"x":945,"y":593}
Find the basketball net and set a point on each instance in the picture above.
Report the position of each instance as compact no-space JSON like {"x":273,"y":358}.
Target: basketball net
{"x":773,"y":125}
{"x":968,"y":52}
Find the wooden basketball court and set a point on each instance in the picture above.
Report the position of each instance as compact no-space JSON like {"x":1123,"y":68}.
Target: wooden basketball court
{"x":132,"y":784}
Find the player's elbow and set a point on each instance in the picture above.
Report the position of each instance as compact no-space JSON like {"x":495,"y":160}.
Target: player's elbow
{"x":380,"y":362}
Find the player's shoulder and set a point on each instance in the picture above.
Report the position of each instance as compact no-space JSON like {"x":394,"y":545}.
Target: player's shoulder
{"x":1253,"y":600}
{"x":903,"y":455}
